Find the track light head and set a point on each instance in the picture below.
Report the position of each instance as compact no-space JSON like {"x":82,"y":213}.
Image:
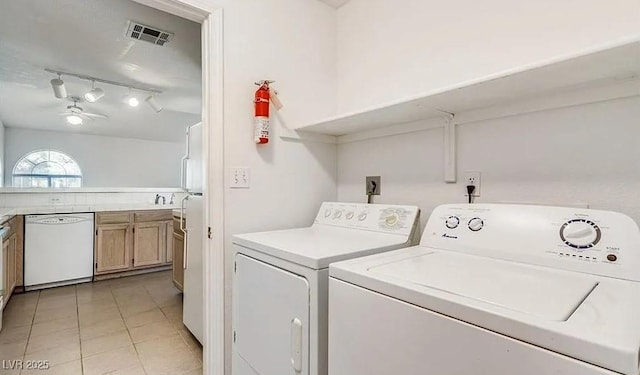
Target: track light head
{"x":153,"y":103}
{"x":131,"y":99}
{"x":95,"y":94}
{"x":58,"y":88}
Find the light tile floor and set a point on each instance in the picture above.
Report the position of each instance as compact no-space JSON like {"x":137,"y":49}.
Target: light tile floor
{"x":123,"y":326}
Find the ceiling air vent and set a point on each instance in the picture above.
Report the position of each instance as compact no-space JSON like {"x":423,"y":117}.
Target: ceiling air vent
{"x":148,"y":34}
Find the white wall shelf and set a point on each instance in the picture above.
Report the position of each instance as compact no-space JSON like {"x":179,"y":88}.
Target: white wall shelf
{"x":592,"y":68}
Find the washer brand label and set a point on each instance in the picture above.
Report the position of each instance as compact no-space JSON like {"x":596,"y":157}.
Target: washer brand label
{"x":449,"y":236}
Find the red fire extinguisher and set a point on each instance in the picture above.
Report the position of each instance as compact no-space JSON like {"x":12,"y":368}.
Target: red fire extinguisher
{"x":264,"y":95}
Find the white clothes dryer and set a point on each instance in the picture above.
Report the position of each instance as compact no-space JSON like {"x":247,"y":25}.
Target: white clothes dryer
{"x":280,"y":287}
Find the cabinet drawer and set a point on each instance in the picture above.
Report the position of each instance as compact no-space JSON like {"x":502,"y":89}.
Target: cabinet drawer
{"x":147,"y":216}
{"x":113,"y":217}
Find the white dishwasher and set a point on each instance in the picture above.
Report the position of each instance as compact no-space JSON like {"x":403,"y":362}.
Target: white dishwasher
{"x":58,"y":250}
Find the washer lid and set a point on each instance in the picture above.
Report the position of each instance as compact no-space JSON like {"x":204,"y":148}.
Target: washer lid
{"x":541,"y":292}
{"x":583,"y":316}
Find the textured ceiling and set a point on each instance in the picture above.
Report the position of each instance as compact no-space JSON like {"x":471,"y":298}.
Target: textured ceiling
{"x":335,"y":3}
{"x":88,"y":37}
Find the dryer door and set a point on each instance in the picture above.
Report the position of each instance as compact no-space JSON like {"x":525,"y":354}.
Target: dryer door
{"x":271,"y":320}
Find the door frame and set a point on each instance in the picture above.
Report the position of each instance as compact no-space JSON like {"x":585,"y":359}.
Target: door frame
{"x":210,"y":16}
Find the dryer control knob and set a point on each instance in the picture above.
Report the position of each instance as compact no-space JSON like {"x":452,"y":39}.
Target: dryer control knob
{"x":476,"y":224}
{"x":337,"y":215}
{"x":327,"y":212}
{"x":362,"y":216}
{"x":391,"y":220}
{"x":349,"y":215}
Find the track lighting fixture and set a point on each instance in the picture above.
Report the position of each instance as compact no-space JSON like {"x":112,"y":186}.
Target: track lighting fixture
{"x":58,"y":88}
{"x":95,"y":94}
{"x":153,"y":103}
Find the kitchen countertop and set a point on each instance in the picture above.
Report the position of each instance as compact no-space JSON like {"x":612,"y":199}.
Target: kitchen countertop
{"x":12,"y":190}
{"x":8,"y":212}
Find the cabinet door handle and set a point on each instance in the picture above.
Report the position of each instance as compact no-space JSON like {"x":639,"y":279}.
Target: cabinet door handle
{"x":184,"y":230}
{"x":296,"y":344}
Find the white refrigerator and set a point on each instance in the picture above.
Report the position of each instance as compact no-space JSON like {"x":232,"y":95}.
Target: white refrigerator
{"x":192,"y":209}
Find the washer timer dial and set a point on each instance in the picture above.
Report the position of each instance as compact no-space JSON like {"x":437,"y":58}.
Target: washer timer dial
{"x":476,"y":224}
{"x":580,"y":233}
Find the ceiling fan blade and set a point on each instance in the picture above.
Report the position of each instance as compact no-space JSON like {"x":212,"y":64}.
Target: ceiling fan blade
{"x":84,"y":116}
{"x":94,"y":115}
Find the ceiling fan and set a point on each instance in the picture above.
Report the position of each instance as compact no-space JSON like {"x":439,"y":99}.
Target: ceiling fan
{"x":76,"y":115}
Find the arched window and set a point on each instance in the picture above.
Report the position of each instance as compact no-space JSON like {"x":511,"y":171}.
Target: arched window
{"x":47,"y":169}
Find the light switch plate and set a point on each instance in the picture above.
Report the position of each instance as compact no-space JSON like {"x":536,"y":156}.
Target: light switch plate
{"x":240,"y":178}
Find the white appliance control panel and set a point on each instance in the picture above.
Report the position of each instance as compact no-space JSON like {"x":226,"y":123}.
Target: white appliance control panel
{"x":592,"y":241}
{"x":373,"y":217}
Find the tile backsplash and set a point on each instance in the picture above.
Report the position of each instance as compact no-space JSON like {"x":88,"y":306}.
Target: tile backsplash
{"x":85,"y":198}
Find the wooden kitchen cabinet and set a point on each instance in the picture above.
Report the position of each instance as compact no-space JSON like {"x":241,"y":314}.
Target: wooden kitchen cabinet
{"x":178,"y":254}
{"x":169,"y":236}
{"x":113,"y":248}
{"x":128,"y":241}
{"x":9,"y":246}
{"x":178,"y":261}
{"x":149,"y":244}
{"x":18,"y":223}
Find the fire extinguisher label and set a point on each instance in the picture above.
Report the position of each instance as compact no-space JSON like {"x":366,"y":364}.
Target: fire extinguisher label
{"x":261,"y":134}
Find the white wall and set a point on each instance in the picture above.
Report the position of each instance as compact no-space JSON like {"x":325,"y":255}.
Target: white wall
{"x":586,"y":154}
{"x":105,"y":161}
{"x":293,"y":43}
{"x":389,"y":50}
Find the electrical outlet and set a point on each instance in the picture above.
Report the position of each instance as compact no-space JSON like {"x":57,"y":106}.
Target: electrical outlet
{"x":240,"y":178}
{"x":372,"y":185}
{"x":472,"y":178}
{"x":55,"y":199}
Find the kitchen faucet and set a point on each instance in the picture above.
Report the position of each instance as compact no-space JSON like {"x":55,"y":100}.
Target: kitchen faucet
{"x":158,"y":196}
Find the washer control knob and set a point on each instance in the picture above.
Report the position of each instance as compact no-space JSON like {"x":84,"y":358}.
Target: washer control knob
{"x":337,"y":215}
{"x":349,"y":215}
{"x":362,"y":216}
{"x":580,"y":234}
{"x":476,"y":224}
{"x":612,"y":257}
{"x":327,"y":212}
{"x":452,"y":222}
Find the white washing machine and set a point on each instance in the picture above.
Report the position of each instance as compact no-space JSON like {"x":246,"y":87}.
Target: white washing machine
{"x":281,"y":283}
{"x":494,"y":290}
